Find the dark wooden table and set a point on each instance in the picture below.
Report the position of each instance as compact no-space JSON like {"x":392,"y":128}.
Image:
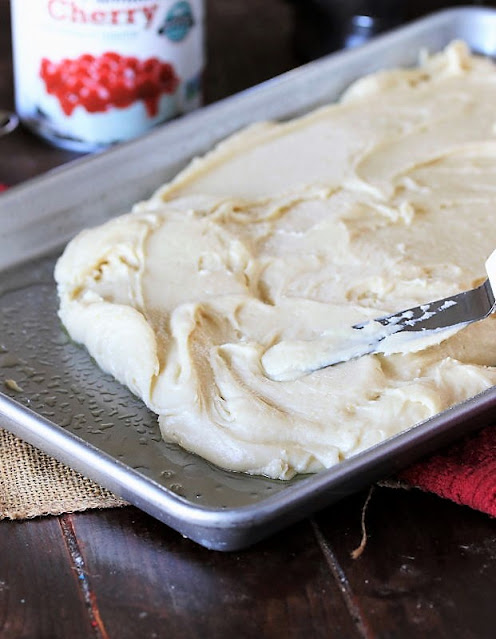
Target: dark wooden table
{"x":429,"y":569}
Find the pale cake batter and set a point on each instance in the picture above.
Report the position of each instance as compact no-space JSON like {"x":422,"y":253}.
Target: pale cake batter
{"x":280,"y":239}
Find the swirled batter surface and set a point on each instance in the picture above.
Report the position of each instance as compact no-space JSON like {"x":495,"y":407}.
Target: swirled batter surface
{"x":287,"y":234}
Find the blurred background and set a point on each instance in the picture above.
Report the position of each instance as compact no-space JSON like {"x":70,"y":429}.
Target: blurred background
{"x":323,"y":26}
{"x":287,"y":33}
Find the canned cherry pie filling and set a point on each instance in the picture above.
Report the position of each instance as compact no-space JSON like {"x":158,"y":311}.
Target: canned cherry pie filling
{"x":104,"y":71}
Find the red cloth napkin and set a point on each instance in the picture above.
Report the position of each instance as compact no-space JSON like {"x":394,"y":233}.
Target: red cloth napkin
{"x":464,"y":473}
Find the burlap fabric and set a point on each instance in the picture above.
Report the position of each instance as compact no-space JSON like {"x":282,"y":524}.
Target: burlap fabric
{"x":33,"y":484}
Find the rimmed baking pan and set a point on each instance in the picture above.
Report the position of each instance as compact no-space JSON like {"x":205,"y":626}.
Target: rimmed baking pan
{"x":66,"y":406}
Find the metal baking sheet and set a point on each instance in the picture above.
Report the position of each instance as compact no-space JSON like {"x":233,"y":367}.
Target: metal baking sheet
{"x":70,"y":409}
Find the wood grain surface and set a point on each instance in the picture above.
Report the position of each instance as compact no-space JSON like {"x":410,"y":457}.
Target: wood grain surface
{"x":428,"y":569}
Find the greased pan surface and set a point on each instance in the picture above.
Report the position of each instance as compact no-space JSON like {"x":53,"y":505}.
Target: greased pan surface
{"x":70,"y":409}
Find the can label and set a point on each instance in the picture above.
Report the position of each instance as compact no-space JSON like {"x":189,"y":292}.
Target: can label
{"x":89,"y":73}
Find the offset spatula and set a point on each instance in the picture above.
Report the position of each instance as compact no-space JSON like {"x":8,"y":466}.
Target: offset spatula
{"x":456,"y":310}
{"x":449,"y":312}
{"x":386,"y":334}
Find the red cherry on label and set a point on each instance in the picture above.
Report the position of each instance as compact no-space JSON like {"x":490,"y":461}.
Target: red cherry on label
{"x":86,"y":58}
{"x":131,"y":63}
{"x":111,"y":80}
